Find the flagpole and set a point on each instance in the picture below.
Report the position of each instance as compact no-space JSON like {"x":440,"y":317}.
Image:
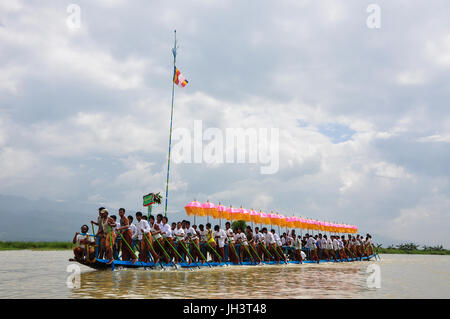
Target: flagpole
{"x":174,"y":51}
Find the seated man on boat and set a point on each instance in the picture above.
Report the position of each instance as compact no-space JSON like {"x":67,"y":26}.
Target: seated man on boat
{"x":85,"y":249}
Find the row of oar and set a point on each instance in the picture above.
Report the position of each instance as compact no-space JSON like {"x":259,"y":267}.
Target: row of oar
{"x":186,"y":250}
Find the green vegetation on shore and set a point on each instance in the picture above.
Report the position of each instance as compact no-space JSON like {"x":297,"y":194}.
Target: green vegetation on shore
{"x":413,"y":249}
{"x":35,"y":245}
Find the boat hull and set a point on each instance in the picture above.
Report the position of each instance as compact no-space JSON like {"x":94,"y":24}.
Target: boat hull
{"x":102,"y":264}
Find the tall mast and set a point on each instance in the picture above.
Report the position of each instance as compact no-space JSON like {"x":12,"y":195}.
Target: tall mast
{"x":174,"y":52}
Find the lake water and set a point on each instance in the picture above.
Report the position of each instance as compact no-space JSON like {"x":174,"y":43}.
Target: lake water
{"x":43,"y":274}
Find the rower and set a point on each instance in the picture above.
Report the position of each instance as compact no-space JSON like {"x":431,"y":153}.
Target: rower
{"x":271,"y":243}
{"x":179,"y":237}
{"x":192,"y":238}
{"x":134,"y":233}
{"x":278,"y":245}
{"x":124,"y":228}
{"x":297,"y":248}
{"x":203,"y":232}
{"x":242,"y":240}
{"x":251,"y":244}
{"x":211,"y":243}
{"x":155,"y":230}
{"x":232,"y":253}
{"x":145,"y":239}
{"x":100,"y":236}
{"x":219,"y":237}
{"x":109,"y":226}
{"x":311,"y":245}
{"x":259,"y":241}
{"x":166,"y":231}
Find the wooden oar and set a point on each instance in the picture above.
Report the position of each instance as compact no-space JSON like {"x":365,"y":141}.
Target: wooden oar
{"x":248,"y":252}
{"x":187,"y":252}
{"x":151,"y":246}
{"x":176,"y":252}
{"x":256,"y":254}
{"x":215,"y":252}
{"x":131,"y":249}
{"x":201,"y":254}
{"x":235,"y":252}
{"x":167,"y":255}
{"x":266,"y":250}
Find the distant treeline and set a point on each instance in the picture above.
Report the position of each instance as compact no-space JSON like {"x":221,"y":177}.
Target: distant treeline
{"x":411,"y":248}
{"x":38,"y":245}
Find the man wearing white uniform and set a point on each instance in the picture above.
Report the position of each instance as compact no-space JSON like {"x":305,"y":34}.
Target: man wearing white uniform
{"x":311,"y":246}
{"x":297,"y":248}
{"x":192,"y":238}
{"x":143,"y":229}
{"x":220,"y":236}
{"x":232,"y":253}
{"x":271,"y":244}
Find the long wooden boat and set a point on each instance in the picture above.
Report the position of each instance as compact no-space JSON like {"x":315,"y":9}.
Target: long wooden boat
{"x":102,"y":264}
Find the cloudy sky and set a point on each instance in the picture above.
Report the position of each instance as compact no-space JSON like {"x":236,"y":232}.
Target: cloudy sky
{"x":363,"y":113}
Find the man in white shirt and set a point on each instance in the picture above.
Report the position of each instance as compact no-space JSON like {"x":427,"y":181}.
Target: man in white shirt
{"x":259,"y":241}
{"x":179,"y":238}
{"x":166,"y":232}
{"x":192,"y":238}
{"x":220,"y":236}
{"x":82,"y":240}
{"x":232,"y":252}
{"x":311,"y":246}
{"x":270,"y":243}
{"x":278,"y":245}
{"x":297,"y":248}
{"x":146,"y":240}
{"x":134,"y":232}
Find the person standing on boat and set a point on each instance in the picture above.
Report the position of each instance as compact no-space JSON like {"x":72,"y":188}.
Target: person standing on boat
{"x":259,"y":241}
{"x":368,"y":244}
{"x":145,"y":238}
{"x":211,"y":243}
{"x":241,"y":240}
{"x":271,"y":243}
{"x":335,"y":245}
{"x":311,"y":246}
{"x":278,"y":245}
{"x":192,"y":238}
{"x":181,"y":246}
{"x":251,"y":243}
{"x":155,"y":231}
{"x":109,"y":226}
{"x":100,"y":234}
{"x":297,"y":248}
{"x":166,"y":231}
{"x":202,"y":237}
{"x":232,"y":253}
{"x":125,"y":230}
{"x":219,"y":237}
{"x":134,"y":233}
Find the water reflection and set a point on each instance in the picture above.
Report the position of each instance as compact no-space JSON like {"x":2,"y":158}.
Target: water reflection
{"x":291,"y":281}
